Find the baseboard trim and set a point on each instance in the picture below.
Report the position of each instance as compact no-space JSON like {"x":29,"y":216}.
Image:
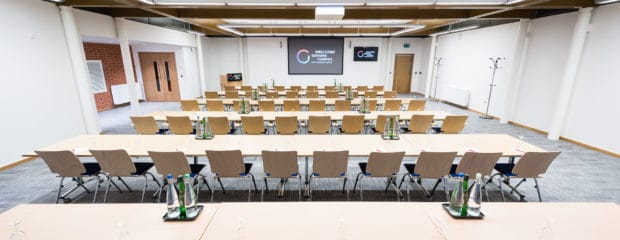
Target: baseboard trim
{"x":15,"y":164}
{"x":481,"y":113}
{"x":527,"y":127}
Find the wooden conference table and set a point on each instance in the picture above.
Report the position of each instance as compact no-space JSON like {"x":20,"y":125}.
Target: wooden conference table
{"x":301,"y":93}
{"x":306,"y":101}
{"x":322,"y":220}
{"x":301,"y":115}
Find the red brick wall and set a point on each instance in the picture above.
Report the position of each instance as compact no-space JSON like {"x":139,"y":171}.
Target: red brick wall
{"x":110,"y":57}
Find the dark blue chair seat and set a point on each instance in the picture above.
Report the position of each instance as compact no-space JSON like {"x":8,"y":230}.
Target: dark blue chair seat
{"x":505,"y":168}
{"x":141,"y":168}
{"x":248,"y":167}
{"x":453,"y":172}
{"x":196,"y":168}
{"x":410,"y":167}
{"x":91,"y":169}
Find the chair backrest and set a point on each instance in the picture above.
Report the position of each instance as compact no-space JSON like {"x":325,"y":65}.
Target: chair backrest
{"x":384,"y":164}
{"x":346,"y":88}
{"x":292,"y":94}
{"x":362,"y":88}
{"x":279,"y":88}
{"x":272,"y":95}
{"x":180,"y":125}
{"x":317,"y":105}
{"x":145,"y":125}
{"x":64,"y":163}
{"x":232,"y":94}
{"x":453,"y":123}
{"x":246,"y":89}
{"x":211,"y":94}
{"x":215,"y":105}
{"x":370,"y":94}
{"x":174,"y":163}
{"x":280,"y":164}
{"x":295,"y":88}
{"x":380,"y":123}
{"x":230,"y":88}
{"x":114,"y":162}
{"x":392,"y":105}
{"x":390,"y":94}
{"x":237,"y":105}
{"x":312,"y":94}
{"x":253,"y":125}
{"x":312,"y":88}
{"x":533,"y":164}
{"x":226,"y":163}
{"x":261,"y":88}
{"x":352,"y":124}
{"x":290,"y":105}
{"x":219,"y":125}
{"x":477,"y":162}
{"x":286,"y":125}
{"x":377,"y":88}
{"x":355,"y":94}
{"x":331,"y":94}
{"x":266,"y":106}
{"x":329,"y":88}
{"x":190,"y":105}
{"x":420,"y":123}
{"x":434,"y":164}
{"x":319,"y":124}
{"x":343,"y":105}
{"x":330,"y":163}
{"x":372,"y":104}
{"x":416,"y":105}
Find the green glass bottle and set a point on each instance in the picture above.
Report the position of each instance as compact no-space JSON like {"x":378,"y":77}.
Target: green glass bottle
{"x":465,"y":195}
{"x":182,"y":209}
{"x":391,"y":127}
{"x":204,"y":128}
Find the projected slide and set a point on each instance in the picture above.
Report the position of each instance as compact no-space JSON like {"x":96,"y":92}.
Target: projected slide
{"x":312,"y":56}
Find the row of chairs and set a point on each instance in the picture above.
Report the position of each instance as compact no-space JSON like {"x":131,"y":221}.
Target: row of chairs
{"x":284,"y":165}
{"x":280,"y":88}
{"x":254,"y":125}
{"x":295,"y":94}
{"x":313,"y":105}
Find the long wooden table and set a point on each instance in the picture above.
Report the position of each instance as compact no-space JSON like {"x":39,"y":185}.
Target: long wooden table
{"x":301,"y":93}
{"x":306,"y":101}
{"x":316,"y":220}
{"x":301,"y":115}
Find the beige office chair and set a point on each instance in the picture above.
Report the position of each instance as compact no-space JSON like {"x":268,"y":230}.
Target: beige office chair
{"x":312,"y":88}
{"x":292,"y":94}
{"x":237,"y":105}
{"x":347,"y":88}
{"x":146,"y":125}
{"x":253,"y":125}
{"x":362,"y":88}
{"x":266,"y":106}
{"x":282,"y":165}
{"x":211,"y":95}
{"x":175,"y":163}
{"x":377,"y":88}
{"x":295,"y":88}
{"x":390,"y":94}
{"x":272,"y":95}
{"x":229,"y":164}
{"x":230,"y":88}
{"x":342,"y":105}
{"x":286,"y":125}
{"x":220,"y":125}
{"x":246,"y":89}
{"x":316,"y":105}
{"x":433,"y":165}
{"x":476,"y":162}
{"x":215,"y":105}
{"x":190,"y":105}
{"x":329,"y":164}
{"x":416,"y":105}
{"x":319,"y":124}
{"x":370,"y":94}
{"x":329,"y":88}
{"x":312,"y":94}
{"x":380,"y":124}
{"x":279,"y":88}
{"x":392,"y":105}
{"x":231,"y":94}
{"x":381,"y":164}
{"x":372,"y":104}
{"x":290,"y":105}
{"x":331,"y":94}
{"x":420,"y":123}
{"x":352,"y":124}
{"x":118,"y":163}
{"x":452,"y":124}
{"x":180,"y":125}
{"x":531,"y":165}
{"x":67,"y":165}
{"x":262,"y":88}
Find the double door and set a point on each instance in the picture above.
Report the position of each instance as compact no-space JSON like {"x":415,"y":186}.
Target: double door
{"x":159,"y":75}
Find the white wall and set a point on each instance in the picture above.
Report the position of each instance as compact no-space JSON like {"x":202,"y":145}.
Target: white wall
{"x":420,"y":48}
{"x":39,"y":101}
{"x":221,"y":56}
{"x":593,"y":113}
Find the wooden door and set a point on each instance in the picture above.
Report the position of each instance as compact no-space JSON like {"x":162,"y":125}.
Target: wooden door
{"x":159,"y":75}
{"x":403,"y":64}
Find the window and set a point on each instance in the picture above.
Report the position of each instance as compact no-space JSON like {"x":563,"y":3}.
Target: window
{"x":97,"y":79}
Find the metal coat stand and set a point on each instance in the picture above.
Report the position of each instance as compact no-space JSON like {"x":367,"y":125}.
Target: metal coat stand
{"x":495,"y":66}
{"x":437,"y":64}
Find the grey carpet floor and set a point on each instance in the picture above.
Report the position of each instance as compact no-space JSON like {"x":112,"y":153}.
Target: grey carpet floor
{"x":579,"y":174}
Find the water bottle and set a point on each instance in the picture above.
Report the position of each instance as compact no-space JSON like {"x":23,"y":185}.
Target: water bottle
{"x":181,"y":194}
{"x":465,"y":206}
{"x":456,"y":199}
{"x":172,"y":201}
{"x":198,"y":128}
{"x":190,"y":196}
{"x":475,"y":197}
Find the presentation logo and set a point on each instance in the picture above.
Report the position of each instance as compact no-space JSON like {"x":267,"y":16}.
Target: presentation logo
{"x":303,"y":56}
{"x":365,"y":54}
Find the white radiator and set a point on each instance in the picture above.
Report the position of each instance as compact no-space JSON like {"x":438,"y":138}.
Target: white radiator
{"x":456,"y":95}
{"x":120,"y":94}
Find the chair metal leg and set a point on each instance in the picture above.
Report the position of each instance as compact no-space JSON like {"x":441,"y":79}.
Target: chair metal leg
{"x":266,"y":185}
{"x":221,"y":185}
{"x":392,"y":182}
{"x":59,"y":189}
{"x":253,"y":181}
{"x":105,"y":196}
{"x":344,"y":184}
{"x":80,"y":182}
{"x":301,"y":184}
{"x":537,"y":189}
{"x":402,"y":180}
{"x":501,"y":190}
{"x":96,"y":189}
{"x":361,"y":189}
{"x":146,"y":184}
{"x":435,"y":187}
{"x":445,"y":188}
{"x":124,"y":183}
{"x":357,"y":178}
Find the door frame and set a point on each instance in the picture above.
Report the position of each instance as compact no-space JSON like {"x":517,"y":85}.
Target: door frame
{"x":173,"y":71}
{"x":410,"y":72}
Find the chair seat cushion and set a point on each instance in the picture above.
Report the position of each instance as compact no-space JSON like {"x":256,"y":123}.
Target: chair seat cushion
{"x":410,"y":167}
{"x":196,"y":168}
{"x":453,"y":172}
{"x":142,"y":167}
{"x":248,"y":167}
{"x":363,"y":167}
{"x":505,"y":168}
{"x":91,"y":169}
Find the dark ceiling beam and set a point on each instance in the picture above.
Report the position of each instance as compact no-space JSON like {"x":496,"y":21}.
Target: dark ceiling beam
{"x":517,"y":13}
{"x":126,"y":12}
{"x":247,"y":13}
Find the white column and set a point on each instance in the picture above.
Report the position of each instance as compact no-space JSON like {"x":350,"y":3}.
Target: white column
{"x":431,"y":67}
{"x":390,"y":68}
{"x":80,"y":71}
{"x":132,"y":86}
{"x":570,"y":73}
{"x":242,"y":61}
{"x":201,"y":65}
{"x":518,"y":62}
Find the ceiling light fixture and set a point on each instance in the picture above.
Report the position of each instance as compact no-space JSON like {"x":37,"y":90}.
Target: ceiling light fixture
{"x":230,"y":30}
{"x":331,"y":4}
{"x":400,"y":3}
{"x":361,"y":26}
{"x":406,"y":30}
{"x":605,"y":1}
{"x":260,"y":4}
{"x":191,"y":3}
{"x":514,"y":1}
{"x":470,"y":3}
{"x":195,"y":32}
{"x":243,"y":26}
{"x":454,"y":30}
{"x":320,"y":26}
{"x":149,"y":2}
